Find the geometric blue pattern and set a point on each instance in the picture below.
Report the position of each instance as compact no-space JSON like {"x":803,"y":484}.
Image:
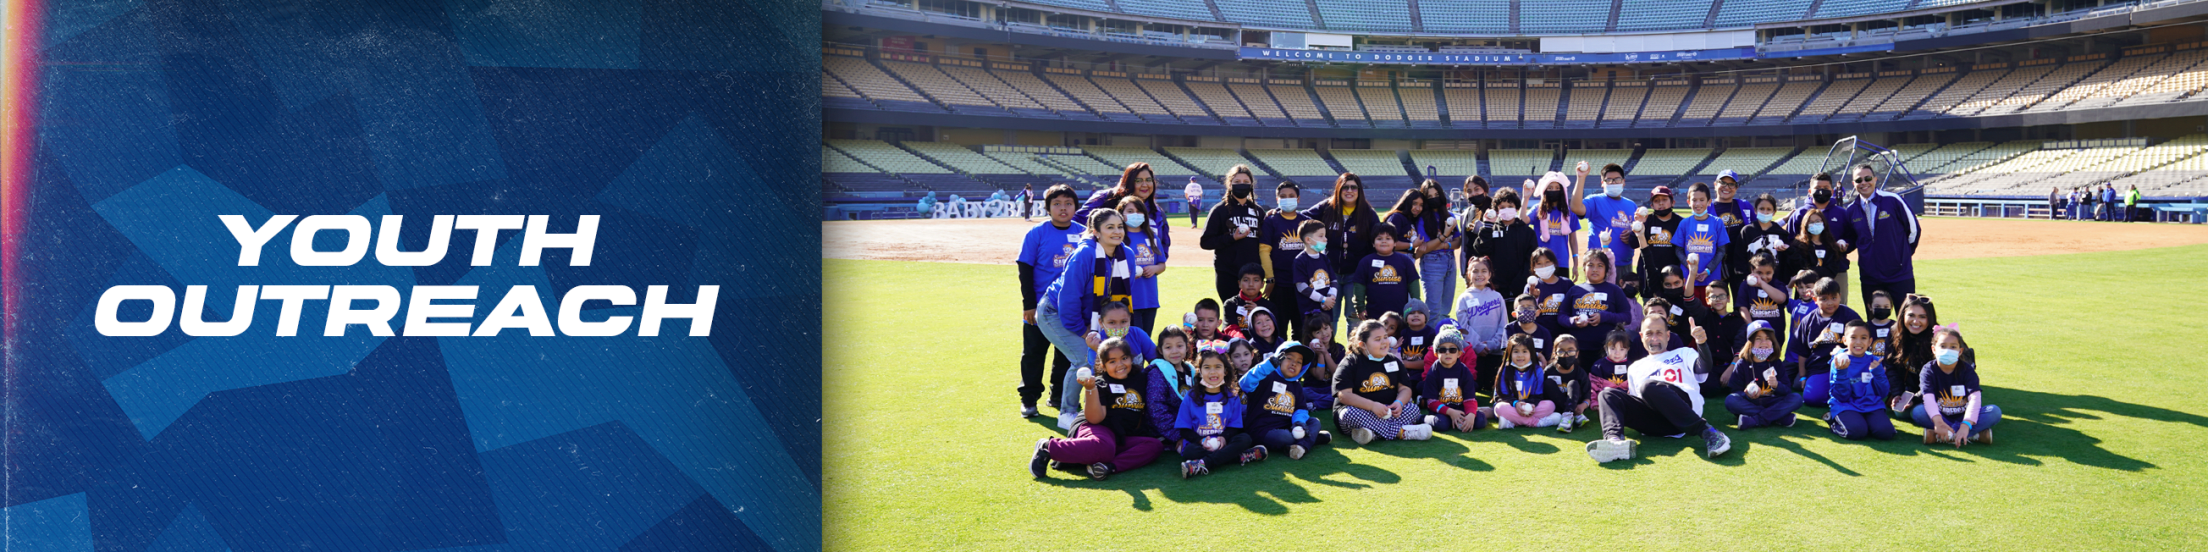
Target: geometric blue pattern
{"x":670,"y":119}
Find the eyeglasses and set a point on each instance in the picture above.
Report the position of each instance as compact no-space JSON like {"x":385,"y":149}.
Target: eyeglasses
{"x":1863,"y":179}
{"x":1354,"y":188}
{"x":1447,"y":350}
{"x":1608,"y":180}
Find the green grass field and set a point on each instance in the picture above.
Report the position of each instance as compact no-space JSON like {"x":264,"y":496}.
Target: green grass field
{"x":2096,"y":360}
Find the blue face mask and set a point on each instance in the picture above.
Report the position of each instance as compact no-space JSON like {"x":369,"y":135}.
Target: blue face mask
{"x":1816,"y":228}
{"x":1948,"y":356}
{"x":1763,"y":218}
{"x":1288,"y":204}
{"x":1319,"y":247}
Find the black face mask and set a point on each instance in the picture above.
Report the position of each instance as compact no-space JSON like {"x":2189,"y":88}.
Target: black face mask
{"x":1567,"y":361}
{"x":1241,"y":191}
{"x":1480,"y":202}
{"x":1552,"y":196}
{"x":1631,"y":289}
{"x":1880,"y":313}
{"x":1674,"y":295}
{"x":1821,"y":196}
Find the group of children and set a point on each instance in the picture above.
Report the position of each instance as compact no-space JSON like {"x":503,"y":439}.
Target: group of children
{"x":1523,"y":345}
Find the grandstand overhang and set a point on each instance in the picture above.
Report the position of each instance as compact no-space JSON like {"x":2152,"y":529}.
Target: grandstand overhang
{"x":952,"y":120}
{"x":1889,"y":15}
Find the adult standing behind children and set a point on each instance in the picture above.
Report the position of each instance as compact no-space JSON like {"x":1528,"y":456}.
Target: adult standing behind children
{"x":1278,"y":246}
{"x":1138,"y":181}
{"x":1230,"y":232}
{"x":1100,"y":272}
{"x":1043,"y":256}
{"x":1886,"y":234}
{"x":1349,"y":220}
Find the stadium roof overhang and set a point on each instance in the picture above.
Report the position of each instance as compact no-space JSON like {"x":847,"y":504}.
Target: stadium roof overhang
{"x":1890,"y":15}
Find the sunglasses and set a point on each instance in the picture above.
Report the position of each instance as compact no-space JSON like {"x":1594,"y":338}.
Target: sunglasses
{"x":1447,"y":350}
{"x":1863,"y":179}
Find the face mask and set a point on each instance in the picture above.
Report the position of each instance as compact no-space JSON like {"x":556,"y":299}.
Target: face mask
{"x":1480,"y":202}
{"x":1545,"y":272}
{"x":1816,"y":228}
{"x":1134,"y":220}
{"x":1763,"y":217}
{"x":1880,"y":313}
{"x":1761,"y":352}
{"x":1821,"y":196}
{"x":1525,"y":317}
{"x":1675,"y":295}
{"x":1947,"y":356}
{"x":1552,"y":196}
{"x":1287,"y":204}
{"x":1115,"y":332}
{"x":1319,"y":247}
{"x":1506,"y":213}
{"x":1567,"y":361}
{"x":1631,"y":289}
{"x":1241,"y":191}
{"x":1375,"y":358}
{"x":1613,"y":190}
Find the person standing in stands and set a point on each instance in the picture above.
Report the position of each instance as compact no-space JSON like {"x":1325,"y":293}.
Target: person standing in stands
{"x":1609,"y":217}
{"x":1195,"y":193}
{"x":1888,"y":232}
{"x":1043,"y":256}
{"x":1349,"y":220}
{"x":1230,"y":233}
{"x":1824,"y":197}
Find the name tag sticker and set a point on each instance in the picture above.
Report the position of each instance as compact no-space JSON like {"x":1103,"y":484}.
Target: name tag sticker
{"x":1416,"y":341}
{"x":1619,"y":370}
{"x":1882,"y":333}
{"x":1761,"y":294}
{"x":1117,"y":388}
{"x":1676,"y":312}
{"x":1211,"y":408}
{"x":1452,"y":383}
{"x":1391,"y":367}
{"x":1956,"y":391}
{"x":1539,"y":343}
{"x":1279,"y":387}
{"x":1701,"y":228}
{"x":1866,"y":377}
{"x":1377,"y":263}
{"x":1820,"y":253}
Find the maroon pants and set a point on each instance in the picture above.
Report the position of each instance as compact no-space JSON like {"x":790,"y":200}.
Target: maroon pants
{"x":1093,"y":443}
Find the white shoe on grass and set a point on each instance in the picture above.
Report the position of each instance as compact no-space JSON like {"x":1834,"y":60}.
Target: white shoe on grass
{"x":1549,"y":420}
{"x":1606,"y":450}
{"x":1504,"y":423}
{"x":1418,"y":432}
{"x":1295,"y":452}
{"x":1361,"y":435}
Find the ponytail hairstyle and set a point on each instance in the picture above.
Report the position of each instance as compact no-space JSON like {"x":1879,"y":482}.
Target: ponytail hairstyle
{"x":1098,"y":217}
{"x":1969,"y":355}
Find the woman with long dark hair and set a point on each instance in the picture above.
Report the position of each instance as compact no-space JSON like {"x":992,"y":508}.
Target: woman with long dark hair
{"x":1230,"y":231}
{"x":1349,"y":221}
{"x":1136,"y":180}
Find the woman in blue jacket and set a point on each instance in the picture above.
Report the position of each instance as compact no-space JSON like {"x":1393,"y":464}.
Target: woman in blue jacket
{"x":1100,"y":271}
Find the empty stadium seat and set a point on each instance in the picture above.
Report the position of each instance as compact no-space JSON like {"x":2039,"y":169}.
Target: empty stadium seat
{"x":1215,"y":96}
{"x":1419,"y":106}
{"x":1541,"y":104}
{"x":1342,"y":104}
{"x":1515,"y":164}
{"x":1464,"y":104}
{"x":1365,"y":15}
{"x":1623,"y":104}
{"x":1663,"y":103}
{"x":1379,"y":101}
{"x":1297,"y":102}
{"x":1661,"y":15}
{"x":1465,"y":16}
{"x":1502,"y":104}
{"x":1786,"y":101}
{"x":1830,"y":100}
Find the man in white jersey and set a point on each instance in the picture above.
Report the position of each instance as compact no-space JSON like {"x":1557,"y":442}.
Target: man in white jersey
{"x":1664,"y":399}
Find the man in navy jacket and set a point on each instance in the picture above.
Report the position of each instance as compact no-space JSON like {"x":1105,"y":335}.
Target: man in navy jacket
{"x":1886,"y":235}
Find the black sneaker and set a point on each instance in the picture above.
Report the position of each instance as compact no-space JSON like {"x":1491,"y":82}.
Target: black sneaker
{"x":1040,"y":465}
{"x":1189,"y":469}
{"x":1785,"y":422}
{"x":1100,"y":470}
{"x":1745,"y":423}
{"x":1323,"y":438}
{"x":1715,"y":442}
{"x":1028,"y":411}
{"x":1255,"y":454}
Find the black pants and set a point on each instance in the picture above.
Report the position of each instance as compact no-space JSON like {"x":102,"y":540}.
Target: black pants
{"x":1228,"y":454}
{"x":1484,"y":368}
{"x":1228,"y":280}
{"x":1287,"y":319}
{"x":1662,"y":409}
{"x":1857,"y":426}
{"x":1894,"y":290}
{"x":1147,"y":319}
{"x":1033,"y":349}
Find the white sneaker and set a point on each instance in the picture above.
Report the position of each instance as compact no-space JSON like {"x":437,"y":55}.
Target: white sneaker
{"x":1295,"y":452}
{"x":1418,"y":432}
{"x":1549,"y":420}
{"x":1605,"y":450}
{"x":1504,"y":423}
{"x":1361,"y":435}
{"x":1433,"y":420}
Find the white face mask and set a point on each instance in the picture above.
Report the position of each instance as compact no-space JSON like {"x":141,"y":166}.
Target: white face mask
{"x":1544,"y":272}
{"x":1134,"y":220}
{"x":1613,"y":190}
{"x":1506,"y":213}
{"x":1288,"y":204}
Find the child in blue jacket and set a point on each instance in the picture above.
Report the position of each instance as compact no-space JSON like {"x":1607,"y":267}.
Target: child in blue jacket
{"x":1272,"y":399}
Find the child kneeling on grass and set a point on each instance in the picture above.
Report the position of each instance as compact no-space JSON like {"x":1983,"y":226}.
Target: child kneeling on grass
{"x":1519,"y":400}
{"x":1210,"y":421}
{"x":1272,"y":396}
{"x":1373,"y":391}
{"x":1116,"y":433}
{"x":1953,"y":411}
{"x":1450,"y":381}
{"x":1762,"y":384}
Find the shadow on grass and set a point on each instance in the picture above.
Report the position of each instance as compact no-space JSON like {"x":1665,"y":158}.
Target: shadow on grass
{"x":2034,"y":427}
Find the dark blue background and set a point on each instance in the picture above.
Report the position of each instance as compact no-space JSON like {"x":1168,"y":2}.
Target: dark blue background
{"x":690,"y":127}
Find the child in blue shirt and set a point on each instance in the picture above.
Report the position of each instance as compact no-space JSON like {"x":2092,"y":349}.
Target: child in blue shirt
{"x":1210,"y":421}
{"x":1817,"y":335}
{"x":1859,"y":389}
{"x":1702,"y":239}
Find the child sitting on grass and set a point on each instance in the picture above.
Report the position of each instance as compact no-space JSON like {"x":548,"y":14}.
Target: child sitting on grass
{"x":1210,"y":422}
{"x":1762,"y":385}
{"x":1272,"y":396}
{"x":1568,"y":386}
{"x":1115,"y":433}
{"x":1373,"y":391}
{"x":1858,"y":386}
{"x":1953,"y":410}
{"x":1519,"y":400}
{"x":1447,"y":390}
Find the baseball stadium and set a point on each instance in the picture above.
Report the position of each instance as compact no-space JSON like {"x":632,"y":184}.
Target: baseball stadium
{"x":2038,"y":169}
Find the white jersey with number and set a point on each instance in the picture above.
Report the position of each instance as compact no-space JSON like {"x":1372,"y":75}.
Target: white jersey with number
{"x":1675,"y":367}
{"x":1194,"y":191}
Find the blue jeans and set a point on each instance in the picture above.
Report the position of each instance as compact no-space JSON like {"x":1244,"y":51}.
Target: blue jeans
{"x":1075,"y":349}
{"x":1276,"y":441}
{"x":1437,"y":269}
{"x":1759,"y":415}
{"x":1817,"y":390}
{"x":1987,"y":416}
